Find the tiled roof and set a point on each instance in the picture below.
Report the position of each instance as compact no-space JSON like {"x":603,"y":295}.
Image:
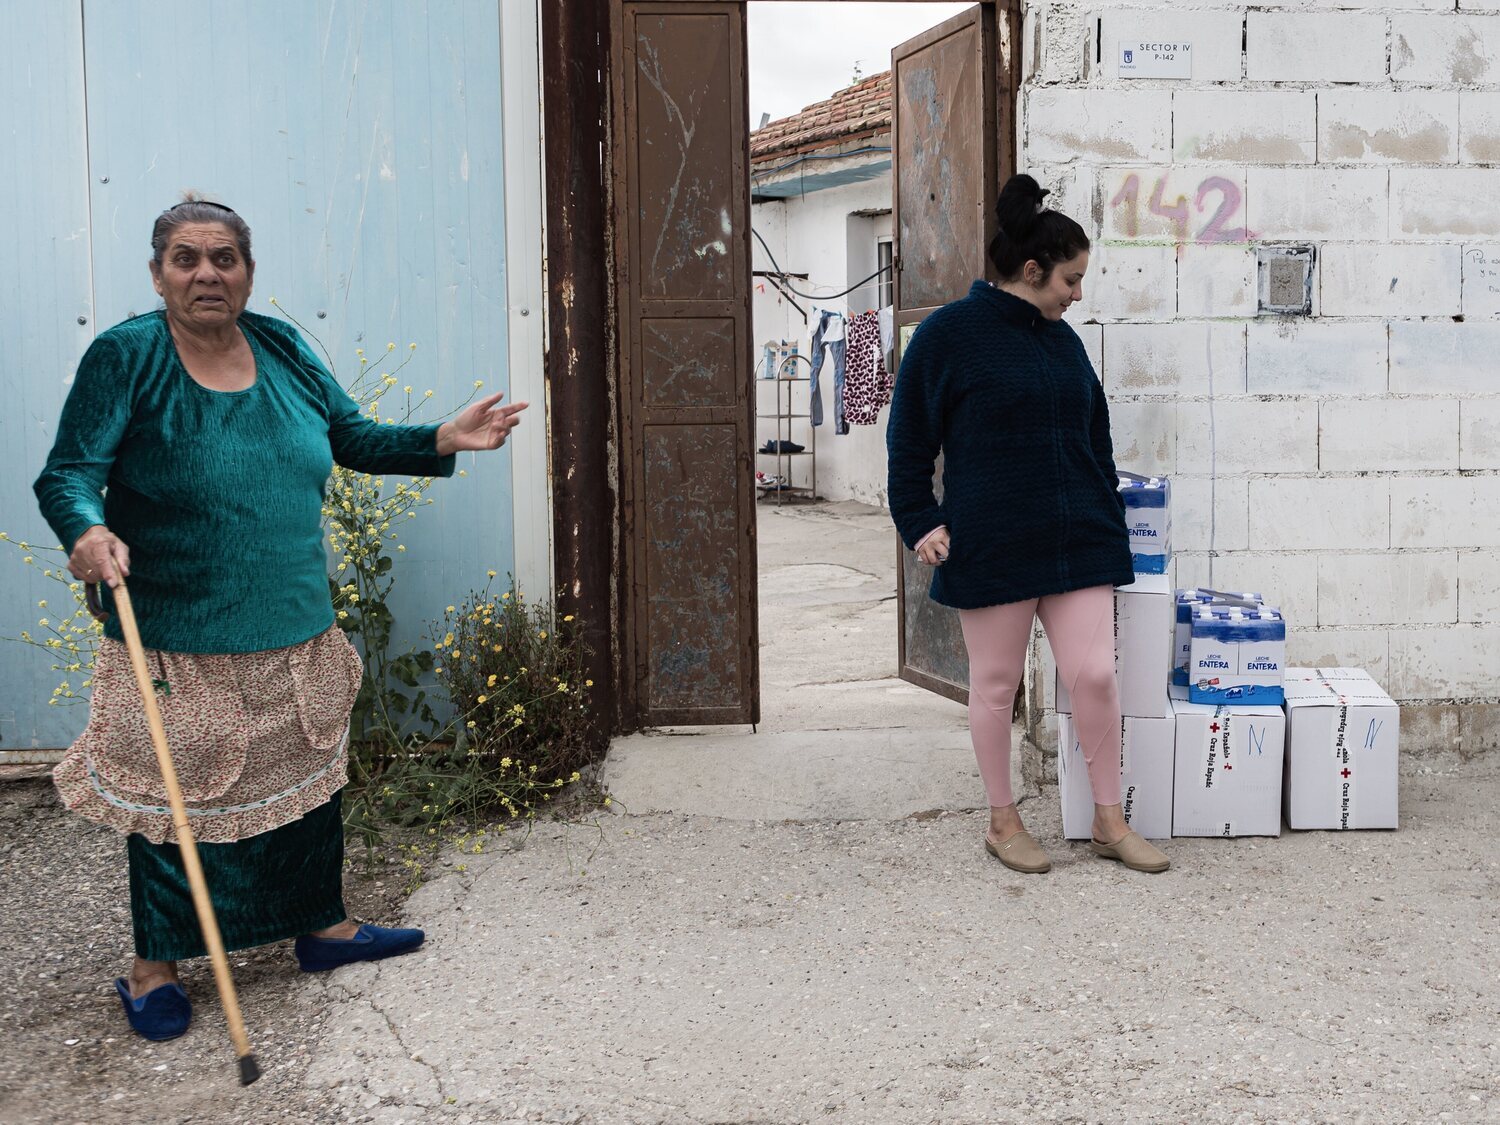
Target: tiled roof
{"x":861,"y":110}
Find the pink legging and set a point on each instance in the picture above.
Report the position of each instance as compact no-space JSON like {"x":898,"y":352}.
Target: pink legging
{"x":1080,"y":628}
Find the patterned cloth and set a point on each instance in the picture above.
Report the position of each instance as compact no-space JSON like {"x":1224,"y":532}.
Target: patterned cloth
{"x":867,"y":384}
{"x":257,"y":739}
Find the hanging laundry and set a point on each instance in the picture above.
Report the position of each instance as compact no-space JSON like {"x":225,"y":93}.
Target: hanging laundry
{"x":867,"y":385}
{"x":829,"y":333}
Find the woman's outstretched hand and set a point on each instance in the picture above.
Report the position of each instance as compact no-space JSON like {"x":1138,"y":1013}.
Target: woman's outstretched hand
{"x":484,"y":425}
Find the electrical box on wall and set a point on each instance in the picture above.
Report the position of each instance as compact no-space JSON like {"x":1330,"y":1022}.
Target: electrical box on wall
{"x":1285,"y":275}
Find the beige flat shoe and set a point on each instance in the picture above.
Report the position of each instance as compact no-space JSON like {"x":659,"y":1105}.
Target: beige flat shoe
{"x":1020,"y":853}
{"x":1134,"y":852}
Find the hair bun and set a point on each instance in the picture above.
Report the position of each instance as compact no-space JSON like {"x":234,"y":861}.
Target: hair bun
{"x":1019,"y":206}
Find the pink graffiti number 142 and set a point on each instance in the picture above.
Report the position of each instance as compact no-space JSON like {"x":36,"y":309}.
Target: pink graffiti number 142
{"x":1215,"y":230}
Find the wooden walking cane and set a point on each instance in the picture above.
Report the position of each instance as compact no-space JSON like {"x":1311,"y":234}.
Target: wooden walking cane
{"x":207,"y":922}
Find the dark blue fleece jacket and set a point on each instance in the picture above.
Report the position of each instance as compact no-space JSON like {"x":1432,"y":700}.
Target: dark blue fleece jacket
{"x":1030,"y":496}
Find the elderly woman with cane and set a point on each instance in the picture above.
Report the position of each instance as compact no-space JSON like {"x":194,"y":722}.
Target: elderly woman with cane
{"x":192,"y":457}
{"x":1031,"y":525}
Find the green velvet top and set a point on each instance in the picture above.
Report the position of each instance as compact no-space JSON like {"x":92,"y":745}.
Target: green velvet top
{"x":218,"y":494}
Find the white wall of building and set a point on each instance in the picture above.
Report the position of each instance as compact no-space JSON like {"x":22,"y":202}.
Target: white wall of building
{"x":829,"y":236}
{"x":1346,"y":463}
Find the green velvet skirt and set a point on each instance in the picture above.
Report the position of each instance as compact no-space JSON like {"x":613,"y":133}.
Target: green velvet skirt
{"x":265,"y":888}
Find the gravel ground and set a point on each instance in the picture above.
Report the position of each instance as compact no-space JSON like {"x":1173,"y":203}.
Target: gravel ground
{"x":689,"y":969}
{"x":69,"y":1055}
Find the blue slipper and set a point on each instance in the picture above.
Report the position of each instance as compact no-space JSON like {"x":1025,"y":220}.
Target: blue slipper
{"x":371,"y":943}
{"x":163,"y":1013}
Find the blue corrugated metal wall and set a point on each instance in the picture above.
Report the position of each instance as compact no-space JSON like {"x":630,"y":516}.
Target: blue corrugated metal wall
{"x":362,"y":143}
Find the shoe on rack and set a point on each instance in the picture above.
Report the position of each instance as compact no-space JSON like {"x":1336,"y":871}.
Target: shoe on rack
{"x":370,"y":943}
{"x":163,"y":1013}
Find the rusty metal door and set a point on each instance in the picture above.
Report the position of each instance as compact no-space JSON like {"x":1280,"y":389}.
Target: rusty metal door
{"x":681,"y":184}
{"x":953,"y":123}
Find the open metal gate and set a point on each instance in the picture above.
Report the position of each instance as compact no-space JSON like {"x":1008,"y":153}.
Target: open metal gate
{"x":682,"y":281}
{"x":953,"y":124}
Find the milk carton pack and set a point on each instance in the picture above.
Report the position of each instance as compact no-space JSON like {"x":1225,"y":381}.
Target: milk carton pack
{"x":1227,"y":769}
{"x":1143,"y":648}
{"x":1182,"y":633}
{"x":1146,"y":764}
{"x":1148,"y":519}
{"x":1237,"y":655}
{"x":1342,"y":750}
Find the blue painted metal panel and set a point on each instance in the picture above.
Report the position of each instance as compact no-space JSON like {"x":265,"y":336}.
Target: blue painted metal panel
{"x":44,"y":241}
{"x":362,"y":143}
{"x":819,"y":181}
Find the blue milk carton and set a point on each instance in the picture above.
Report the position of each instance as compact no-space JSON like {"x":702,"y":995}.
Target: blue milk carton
{"x":1148,"y":519}
{"x":1182,"y":633}
{"x":1238,"y":655}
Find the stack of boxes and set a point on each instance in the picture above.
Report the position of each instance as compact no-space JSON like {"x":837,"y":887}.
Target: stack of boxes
{"x":1218,"y":737}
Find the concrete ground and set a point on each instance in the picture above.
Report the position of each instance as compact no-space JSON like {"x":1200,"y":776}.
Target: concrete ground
{"x":801,"y":925}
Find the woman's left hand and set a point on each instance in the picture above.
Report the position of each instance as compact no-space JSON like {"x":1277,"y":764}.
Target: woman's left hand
{"x":484,"y":425}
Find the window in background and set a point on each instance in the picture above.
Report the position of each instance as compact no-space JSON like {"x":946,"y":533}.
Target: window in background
{"x":884,"y":258}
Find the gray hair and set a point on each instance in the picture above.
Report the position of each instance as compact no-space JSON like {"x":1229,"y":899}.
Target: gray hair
{"x":195,"y":209}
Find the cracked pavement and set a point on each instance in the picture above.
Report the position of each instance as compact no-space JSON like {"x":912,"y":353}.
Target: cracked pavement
{"x":824,"y":945}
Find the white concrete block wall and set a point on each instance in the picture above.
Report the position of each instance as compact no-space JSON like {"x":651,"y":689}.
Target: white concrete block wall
{"x":1445,"y":49}
{"x":1479,"y":587}
{"x":1445,"y":204}
{"x":1387,"y":434}
{"x":1315,"y":47}
{"x":1228,"y":123}
{"x":1445,"y":357}
{"x":1107,"y":125}
{"x":1314,"y":356}
{"x":1479,"y":433}
{"x":1359,"y":125}
{"x":1217,"y":281}
{"x":1478,"y":127}
{"x":1388,"y":588}
{"x":1315,"y":203}
{"x":1375,"y":279}
{"x":1347,"y":462}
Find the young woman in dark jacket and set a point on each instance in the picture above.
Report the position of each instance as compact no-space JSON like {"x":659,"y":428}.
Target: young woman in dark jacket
{"x":1031,"y":524}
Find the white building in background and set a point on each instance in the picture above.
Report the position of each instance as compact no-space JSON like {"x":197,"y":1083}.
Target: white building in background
{"x":821,"y":200}
{"x":1345,"y":459}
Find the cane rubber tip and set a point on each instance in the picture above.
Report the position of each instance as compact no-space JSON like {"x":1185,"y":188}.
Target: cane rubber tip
{"x":249,"y":1069}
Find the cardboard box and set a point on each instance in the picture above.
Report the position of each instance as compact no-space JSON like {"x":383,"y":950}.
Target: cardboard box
{"x":1146,"y":756}
{"x":1143,"y":648}
{"x":1148,"y":519}
{"x":1238,"y":656}
{"x":1227,"y":773}
{"x":1342,"y":750}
